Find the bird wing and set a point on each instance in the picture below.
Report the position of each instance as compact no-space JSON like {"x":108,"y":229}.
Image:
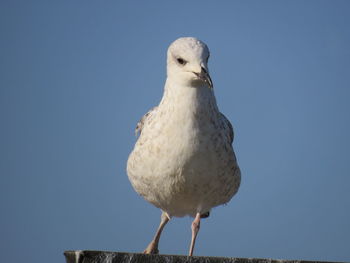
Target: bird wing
{"x":145,"y":117}
{"x":228,"y":127}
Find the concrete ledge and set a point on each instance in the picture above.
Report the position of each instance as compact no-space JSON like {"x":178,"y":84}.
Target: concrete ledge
{"x":86,"y":256}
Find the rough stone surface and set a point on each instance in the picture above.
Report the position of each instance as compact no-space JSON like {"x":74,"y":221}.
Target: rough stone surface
{"x":86,"y":256}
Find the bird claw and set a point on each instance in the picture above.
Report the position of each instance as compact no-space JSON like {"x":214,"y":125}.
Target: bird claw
{"x":151,"y":249}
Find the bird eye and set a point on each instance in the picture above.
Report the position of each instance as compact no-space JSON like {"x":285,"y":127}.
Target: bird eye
{"x":181,"y":61}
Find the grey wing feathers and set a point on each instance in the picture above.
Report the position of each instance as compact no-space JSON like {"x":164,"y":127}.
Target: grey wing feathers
{"x":228,"y":127}
{"x":141,"y":122}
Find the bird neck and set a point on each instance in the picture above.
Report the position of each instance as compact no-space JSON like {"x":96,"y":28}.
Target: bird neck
{"x":188,"y":97}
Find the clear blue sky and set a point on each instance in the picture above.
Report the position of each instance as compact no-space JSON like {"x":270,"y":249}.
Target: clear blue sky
{"x":76,"y":76}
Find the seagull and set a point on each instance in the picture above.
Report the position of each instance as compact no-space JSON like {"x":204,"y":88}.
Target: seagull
{"x":183,"y":161}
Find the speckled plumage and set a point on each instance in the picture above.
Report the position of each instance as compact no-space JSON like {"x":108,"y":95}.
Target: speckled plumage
{"x":183,"y":161}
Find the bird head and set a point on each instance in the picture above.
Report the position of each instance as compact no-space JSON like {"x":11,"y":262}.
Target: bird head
{"x":187,"y":62}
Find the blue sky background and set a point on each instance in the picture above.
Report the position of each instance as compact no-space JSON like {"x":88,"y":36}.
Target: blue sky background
{"x":76,"y":76}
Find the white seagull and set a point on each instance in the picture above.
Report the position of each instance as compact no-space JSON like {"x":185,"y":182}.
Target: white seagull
{"x":183,"y":161}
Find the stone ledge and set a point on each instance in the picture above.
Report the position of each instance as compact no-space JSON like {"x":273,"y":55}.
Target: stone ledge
{"x":87,"y":256}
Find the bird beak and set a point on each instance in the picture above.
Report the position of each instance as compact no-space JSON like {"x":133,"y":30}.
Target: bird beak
{"x":206,"y":78}
{"x":204,"y":75}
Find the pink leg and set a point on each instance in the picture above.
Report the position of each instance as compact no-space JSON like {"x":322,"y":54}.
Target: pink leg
{"x":195,"y":229}
{"x":152,"y":248}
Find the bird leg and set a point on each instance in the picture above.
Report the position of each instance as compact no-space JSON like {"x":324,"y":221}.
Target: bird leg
{"x":195,"y":229}
{"x":152,"y":248}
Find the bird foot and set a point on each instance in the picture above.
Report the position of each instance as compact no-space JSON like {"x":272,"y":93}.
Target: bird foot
{"x":152,"y":248}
